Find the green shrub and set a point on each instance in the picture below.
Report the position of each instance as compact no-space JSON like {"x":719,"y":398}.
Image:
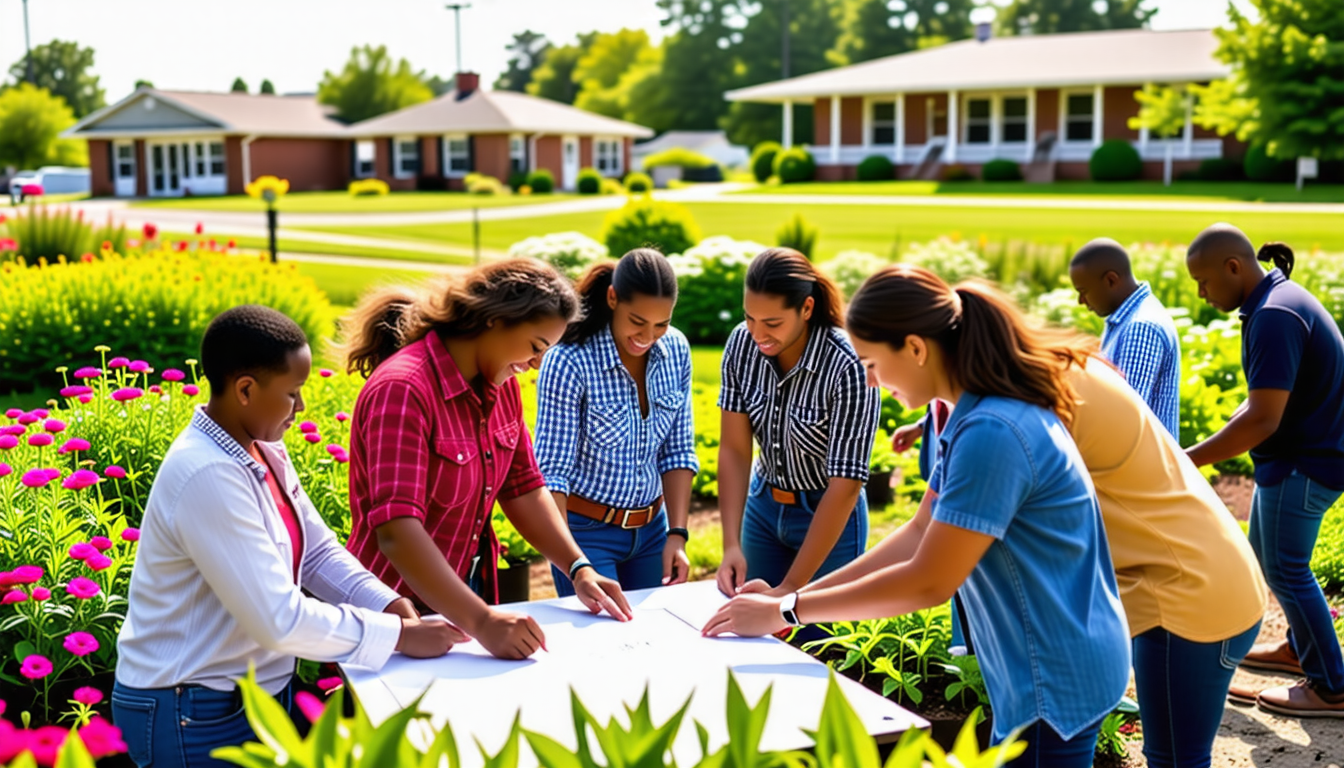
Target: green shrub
{"x":541,"y":182}
{"x":1259,"y":166}
{"x":679,"y":157}
{"x":368,"y":188}
{"x":516,"y":180}
{"x":1328,"y":560}
{"x":152,"y":306}
{"x":638,"y":182}
{"x":1115,"y":160}
{"x":875,"y":168}
{"x":569,"y":252}
{"x":669,"y":227}
{"x":798,"y":234}
{"x":709,"y":281}
{"x":794,"y":165}
{"x":957,"y":173}
{"x":43,"y":232}
{"x":480,"y":184}
{"x":763,"y":160}
{"x":590,"y":182}
{"x":849,"y":269}
{"x":1001,"y":170}
{"x":1220,"y":169}
{"x":610,"y":186}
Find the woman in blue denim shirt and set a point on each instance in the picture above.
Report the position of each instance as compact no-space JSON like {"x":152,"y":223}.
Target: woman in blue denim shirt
{"x":615,"y":438}
{"x":1015,"y":530}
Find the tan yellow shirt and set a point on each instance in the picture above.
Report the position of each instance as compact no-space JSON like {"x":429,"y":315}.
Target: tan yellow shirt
{"x":1181,"y":560}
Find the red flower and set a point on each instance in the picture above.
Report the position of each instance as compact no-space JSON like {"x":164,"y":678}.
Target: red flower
{"x":8,"y":244}
{"x":150,"y":231}
{"x":107,"y":245}
{"x":87,"y":258}
{"x":199,"y":227}
{"x":181,"y":246}
{"x":233,"y":244}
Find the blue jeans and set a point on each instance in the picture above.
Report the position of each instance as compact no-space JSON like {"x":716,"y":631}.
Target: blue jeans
{"x":1285,"y":519}
{"x":1045,"y":748}
{"x":633,"y":557}
{"x":772,"y":533}
{"x":1182,"y":689}
{"x":179,"y":727}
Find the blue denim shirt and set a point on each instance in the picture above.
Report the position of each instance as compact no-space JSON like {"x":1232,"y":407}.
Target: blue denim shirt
{"x":1044,"y":610}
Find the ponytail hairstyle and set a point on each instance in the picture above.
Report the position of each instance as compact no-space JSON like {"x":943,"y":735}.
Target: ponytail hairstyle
{"x":509,"y":292}
{"x":1280,"y":254}
{"x":643,"y":271}
{"x":990,"y":347}
{"x":787,"y":273}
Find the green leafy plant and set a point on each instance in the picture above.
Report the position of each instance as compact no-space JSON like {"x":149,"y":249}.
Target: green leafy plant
{"x":668,"y":227}
{"x":849,"y":269}
{"x":1259,"y":166}
{"x":481,"y":184}
{"x":795,"y":164}
{"x":1001,"y":170}
{"x":590,"y":182}
{"x":763,"y":159}
{"x":798,"y":234}
{"x":709,"y":279}
{"x":1112,"y":739}
{"x":1115,"y":160}
{"x":902,"y":650}
{"x":638,"y":183}
{"x":569,"y":252}
{"x":679,"y":157}
{"x":969,"y":682}
{"x":46,"y":232}
{"x":541,"y":182}
{"x":875,"y":168}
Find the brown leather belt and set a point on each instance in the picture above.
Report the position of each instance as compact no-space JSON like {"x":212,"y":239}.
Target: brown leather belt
{"x":628,"y":519}
{"x":791,"y":498}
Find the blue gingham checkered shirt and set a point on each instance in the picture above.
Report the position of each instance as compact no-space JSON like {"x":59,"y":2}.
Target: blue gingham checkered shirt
{"x":1141,"y":340}
{"x":592,"y":441}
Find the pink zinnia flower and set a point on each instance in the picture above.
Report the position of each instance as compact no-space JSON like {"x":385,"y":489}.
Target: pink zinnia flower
{"x":52,"y":474}
{"x":87,"y":695}
{"x":45,"y":743}
{"x":54,"y":425}
{"x":307,"y":426}
{"x":313,"y":437}
{"x":75,"y":390}
{"x":83,"y":588}
{"x":13,"y":596}
{"x":115,"y":472}
{"x":101,"y":543}
{"x":130,"y":534}
{"x":14,"y":430}
{"x":118,"y":362}
{"x":41,"y":593}
{"x":98,"y":562}
{"x":5,"y":469}
{"x":82,"y":551}
{"x":35,"y":667}
{"x":86,"y":399}
{"x":80,"y":479}
{"x":41,"y":413}
{"x":75,"y":444}
{"x":102,"y":738}
{"x":40,"y":440}
{"x":155,"y":389}
{"x":139,"y":366}
{"x":81,"y":643}
{"x":311,"y":706}
{"x":29,"y":418}
{"x":12,"y":740}
{"x":35,"y":478}
{"x":342,"y":416}
{"x":7,"y":579}
{"x":191,"y":390}
{"x":326,"y":373}
{"x":329,"y":684}
{"x":13,"y":413}
{"x":128,"y":393}
{"x":27,"y":574}
{"x":8,"y":441}
{"x":88,"y":372}
{"x":173,"y":374}
{"x":334,"y":449}
{"x":342,"y":457}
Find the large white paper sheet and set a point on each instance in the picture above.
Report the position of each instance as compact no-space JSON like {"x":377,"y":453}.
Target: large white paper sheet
{"x":610,"y":664}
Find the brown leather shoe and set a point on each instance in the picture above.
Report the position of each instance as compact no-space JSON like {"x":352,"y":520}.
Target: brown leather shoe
{"x":1240,"y":694}
{"x":1302,"y":699}
{"x":1274,"y":657}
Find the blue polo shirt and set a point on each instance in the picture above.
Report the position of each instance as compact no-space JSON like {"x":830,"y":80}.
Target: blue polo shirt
{"x":1289,"y":341}
{"x":1044,"y":609}
{"x":1140,"y":339}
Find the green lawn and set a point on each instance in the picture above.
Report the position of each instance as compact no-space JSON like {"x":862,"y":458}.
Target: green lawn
{"x":73,"y":197}
{"x":1127,"y":190}
{"x":331,"y":249}
{"x":344,"y":202}
{"x":705,"y":364}
{"x":877,"y":229}
{"x":344,"y":284}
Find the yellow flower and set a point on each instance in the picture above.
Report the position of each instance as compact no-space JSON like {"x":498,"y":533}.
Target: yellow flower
{"x":259,"y":187}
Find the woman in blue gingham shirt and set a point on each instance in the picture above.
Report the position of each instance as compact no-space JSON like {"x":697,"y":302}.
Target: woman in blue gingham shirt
{"x":615,"y":439}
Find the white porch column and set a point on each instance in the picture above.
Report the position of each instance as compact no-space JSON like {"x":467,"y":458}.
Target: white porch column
{"x":1144,"y":135}
{"x":900,"y":129}
{"x":866,"y":139}
{"x":788,"y":124}
{"x":952,"y":130}
{"x":1098,"y":96}
{"x":1188,"y":133}
{"x":835,"y":130}
{"x":1031,"y":125}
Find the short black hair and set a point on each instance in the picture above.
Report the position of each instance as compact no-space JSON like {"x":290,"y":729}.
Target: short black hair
{"x":248,"y":340}
{"x":1101,"y":256}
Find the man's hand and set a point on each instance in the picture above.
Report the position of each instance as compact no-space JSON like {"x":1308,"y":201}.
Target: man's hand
{"x":732,"y":571}
{"x":599,"y":593}
{"x":510,"y":635}
{"x":428,"y":638}
{"x":676,"y":565}
{"x":906,"y":436}
{"x":751,"y":615}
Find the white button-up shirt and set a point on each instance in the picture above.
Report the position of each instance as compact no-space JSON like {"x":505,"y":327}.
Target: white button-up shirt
{"x":213,"y":588}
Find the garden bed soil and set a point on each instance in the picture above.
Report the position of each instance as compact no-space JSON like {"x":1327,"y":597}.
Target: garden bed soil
{"x":1236,"y":491}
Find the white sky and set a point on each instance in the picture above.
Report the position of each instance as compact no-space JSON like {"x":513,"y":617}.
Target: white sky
{"x":205,"y":44}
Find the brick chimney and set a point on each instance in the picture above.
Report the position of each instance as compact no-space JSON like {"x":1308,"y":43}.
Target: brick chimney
{"x":467,"y":83}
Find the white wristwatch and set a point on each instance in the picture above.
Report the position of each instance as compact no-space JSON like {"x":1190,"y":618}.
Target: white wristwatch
{"x":788,"y":609}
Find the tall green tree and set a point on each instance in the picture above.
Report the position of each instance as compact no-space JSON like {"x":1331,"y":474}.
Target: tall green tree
{"x":554,"y":78}
{"x":1287,"y":83}
{"x":1162,"y":110}
{"x":31,"y":120}
{"x":267,"y":87}
{"x":871,"y":29}
{"x":63,"y":68}
{"x":372,"y":84}
{"x":239,"y":85}
{"x":1047,"y":17}
{"x":602,"y":72}
{"x":699,"y":63}
{"x":143,"y":84}
{"x":528,"y":49}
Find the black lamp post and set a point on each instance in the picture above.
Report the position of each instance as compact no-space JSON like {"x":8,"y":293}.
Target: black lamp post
{"x":268,"y":195}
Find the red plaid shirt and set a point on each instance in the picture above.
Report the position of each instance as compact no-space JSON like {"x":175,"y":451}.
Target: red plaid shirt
{"x":424,"y":445}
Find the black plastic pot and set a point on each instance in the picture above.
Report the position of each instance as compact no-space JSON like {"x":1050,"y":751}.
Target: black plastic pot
{"x":515,"y":583}
{"x":878,"y":489}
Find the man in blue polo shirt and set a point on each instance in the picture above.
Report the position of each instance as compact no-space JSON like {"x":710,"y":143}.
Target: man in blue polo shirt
{"x":1140,"y":338}
{"x":1292,"y":422}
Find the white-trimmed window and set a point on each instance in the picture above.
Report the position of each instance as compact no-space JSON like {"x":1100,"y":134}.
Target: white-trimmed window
{"x":979,"y":121}
{"x":517,"y":155}
{"x":1079,"y":111}
{"x":883,"y":124}
{"x":364,"y":156}
{"x":406,"y":156}
{"x":456,"y":155}
{"x":607,"y":156}
{"x":1014,"y":126}
{"x":125,"y":161}
{"x":216,"y":158}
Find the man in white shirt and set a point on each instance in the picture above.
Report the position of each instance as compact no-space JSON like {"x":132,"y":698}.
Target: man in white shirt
{"x":228,"y":545}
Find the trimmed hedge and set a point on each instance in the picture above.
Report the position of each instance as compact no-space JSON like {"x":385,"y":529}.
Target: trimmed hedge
{"x":794,"y":165}
{"x":1260,"y":166}
{"x":763,"y":159}
{"x":1001,"y":170}
{"x":642,"y":222}
{"x":638,"y":182}
{"x":541,"y":182}
{"x":680,"y":157}
{"x":875,"y":168}
{"x":590,"y":182}
{"x":1115,"y":160}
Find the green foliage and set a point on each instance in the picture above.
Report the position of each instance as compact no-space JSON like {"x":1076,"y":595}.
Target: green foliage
{"x":239,"y":86}
{"x":679,"y":157}
{"x":952,"y":260}
{"x":1111,"y":740}
{"x":48,"y":233}
{"x":795,"y":164}
{"x":709,"y":282}
{"x":553,"y":78}
{"x":1048,"y":17}
{"x":1327,"y":562}
{"x":529,"y":49}
{"x":569,"y":252}
{"x":1220,"y":169}
{"x":64,"y":69}
{"x":871,"y":29}
{"x":1115,"y":160}
{"x":515,"y":551}
{"x":636,"y":182}
{"x":902,"y":650}
{"x":371,"y":84}
{"x":481,"y":184}
{"x":1162,"y":110}
{"x":1001,"y":170}
{"x":612,"y":70}
{"x":875,"y":168}
{"x":541,"y":181}
{"x":968,"y":688}
{"x":850,"y":268}
{"x":590,"y":182}
{"x":1259,"y":166}
{"x":763,"y":159}
{"x":267,"y":88}
{"x":31,"y":120}
{"x":669,"y":227}
{"x":798,"y":234}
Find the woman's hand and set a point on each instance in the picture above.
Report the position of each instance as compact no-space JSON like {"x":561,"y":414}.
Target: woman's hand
{"x":676,"y":565}
{"x":599,"y":593}
{"x":402,"y":607}
{"x":732,"y":571}
{"x":747,"y":615}
{"x":906,"y":436}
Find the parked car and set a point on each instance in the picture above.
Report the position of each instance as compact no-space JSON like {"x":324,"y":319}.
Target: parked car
{"x":52,"y":179}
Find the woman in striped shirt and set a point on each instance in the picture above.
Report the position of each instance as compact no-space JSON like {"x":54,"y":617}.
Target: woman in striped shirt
{"x":792,"y":381}
{"x":615,"y":440}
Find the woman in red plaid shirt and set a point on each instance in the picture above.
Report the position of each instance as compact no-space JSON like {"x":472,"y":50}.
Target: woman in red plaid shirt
{"x":438,"y":437}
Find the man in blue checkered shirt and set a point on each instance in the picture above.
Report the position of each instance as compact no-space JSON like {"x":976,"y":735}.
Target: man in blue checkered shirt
{"x":1140,"y":338}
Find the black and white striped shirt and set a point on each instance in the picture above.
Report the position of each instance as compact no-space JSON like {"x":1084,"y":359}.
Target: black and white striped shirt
{"x":815,"y":423}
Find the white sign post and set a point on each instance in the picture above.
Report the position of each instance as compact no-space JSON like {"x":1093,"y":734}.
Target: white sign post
{"x":1307,"y":168}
